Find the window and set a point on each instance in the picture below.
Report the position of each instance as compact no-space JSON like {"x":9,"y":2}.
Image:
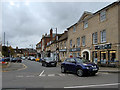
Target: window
{"x":65,"y":44}
{"x":103,"y":36}
{"x":74,"y":54}
{"x":94,"y":35}
{"x":72,"y":60}
{"x":85,"y":24}
{"x":83,"y":41}
{"x":71,"y":43}
{"x":61,"y":45}
{"x":74,"y":29}
{"x":78,"y":54}
{"x":103,"y":16}
{"x":78,"y":41}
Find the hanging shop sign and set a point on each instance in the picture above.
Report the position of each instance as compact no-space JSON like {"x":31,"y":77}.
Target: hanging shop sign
{"x":74,"y":49}
{"x":105,"y":46}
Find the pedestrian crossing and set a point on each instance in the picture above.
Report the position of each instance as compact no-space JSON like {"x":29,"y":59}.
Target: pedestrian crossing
{"x":45,"y":75}
{"x":53,"y":75}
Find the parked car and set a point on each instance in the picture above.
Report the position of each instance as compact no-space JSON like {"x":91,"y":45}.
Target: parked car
{"x":2,"y":60}
{"x":79,"y":66}
{"x":32,"y":58}
{"x":7,"y":59}
{"x":47,"y":61}
{"x":17,"y":59}
{"x":23,"y":58}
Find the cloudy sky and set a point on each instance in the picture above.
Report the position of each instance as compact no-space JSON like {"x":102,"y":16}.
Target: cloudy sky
{"x":24,"y":23}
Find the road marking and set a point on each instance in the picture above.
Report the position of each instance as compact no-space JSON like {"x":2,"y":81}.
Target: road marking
{"x":61,"y":74}
{"x":41,"y":73}
{"x":93,"y":85}
{"x":30,"y":76}
{"x":51,"y":75}
{"x":23,"y":68}
{"x":20,"y":76}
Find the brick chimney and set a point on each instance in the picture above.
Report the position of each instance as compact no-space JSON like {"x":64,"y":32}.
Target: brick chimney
{"x":16,"y":48}
{"x":51,"y":34}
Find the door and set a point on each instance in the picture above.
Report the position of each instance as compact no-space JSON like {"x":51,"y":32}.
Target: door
{"x":72,"y":65}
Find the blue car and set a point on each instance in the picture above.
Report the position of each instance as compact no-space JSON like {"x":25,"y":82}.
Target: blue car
{"x":79,"y":66}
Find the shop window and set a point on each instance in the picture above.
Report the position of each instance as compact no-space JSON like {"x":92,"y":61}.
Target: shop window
{"x":112,"y":55}
{"x":94,"y":56}
{"x":78,"y":54}
{"x":74,"y":54}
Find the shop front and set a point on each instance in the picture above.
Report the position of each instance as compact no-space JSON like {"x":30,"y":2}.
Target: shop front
{"x":104,"y":54}
{"x":62,"y":54}
{"x":74,"y":52}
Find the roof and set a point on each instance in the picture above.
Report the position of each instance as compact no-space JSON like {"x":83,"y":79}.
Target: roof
{"x":64,"y":36}
{"x":93,"y":14}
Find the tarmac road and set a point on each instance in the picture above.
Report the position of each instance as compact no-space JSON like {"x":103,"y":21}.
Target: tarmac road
{"x":34,"y":75}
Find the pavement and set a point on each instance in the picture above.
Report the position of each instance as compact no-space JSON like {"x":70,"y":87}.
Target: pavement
{"x":20,"y":66}
{"x":13,"y":66}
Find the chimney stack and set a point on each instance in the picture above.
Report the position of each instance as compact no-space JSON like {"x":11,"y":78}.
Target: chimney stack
{"x":51,"y":34}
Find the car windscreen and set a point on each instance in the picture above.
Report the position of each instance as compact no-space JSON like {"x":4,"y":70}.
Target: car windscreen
{"x":48,"y":59}
{"x":81,"y":60}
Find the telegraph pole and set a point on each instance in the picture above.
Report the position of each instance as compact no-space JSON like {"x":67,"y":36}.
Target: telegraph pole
{"x":4,"y":38}
{"x":7,"y":43}
{"x":56,"y":44}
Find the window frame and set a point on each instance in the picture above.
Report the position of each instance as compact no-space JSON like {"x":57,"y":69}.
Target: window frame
{"x":103,"y":36}
{"x":78,"y":42}
{"x":85,"y":24}
{"x":83,"y":38}
{"x":74,"y":28}
{"x":103,"y":15}
{"x":95,"y":38}
{"x":71,"y":43}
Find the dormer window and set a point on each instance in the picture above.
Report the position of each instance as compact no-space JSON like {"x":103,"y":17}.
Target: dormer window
{"x":74,"y":29}
{"x":102,"y":16}
{"x":85,"y":24}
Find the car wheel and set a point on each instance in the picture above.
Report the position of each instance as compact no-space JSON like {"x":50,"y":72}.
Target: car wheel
{"x":45,"y":65}
{"x":93,"y":74}
{"x":63,"y":70}
{"x":79,"y":72}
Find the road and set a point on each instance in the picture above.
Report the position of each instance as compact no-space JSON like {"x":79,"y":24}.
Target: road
{"x":37,"y":76}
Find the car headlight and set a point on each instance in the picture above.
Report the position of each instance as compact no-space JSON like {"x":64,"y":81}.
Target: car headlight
{"x":87,"y":67}
{"x":94,"y":66}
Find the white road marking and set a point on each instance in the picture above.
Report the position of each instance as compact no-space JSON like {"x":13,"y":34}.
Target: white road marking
{"x":61,"y":74}
{"x":20,"y":76}
{"x":51,"y":75}
{"x":41,"y":73}
{"x":93,"y":85}
{"x":30,"y":76}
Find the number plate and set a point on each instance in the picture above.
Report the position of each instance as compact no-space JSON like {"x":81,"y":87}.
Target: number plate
{"x":95,"y":69}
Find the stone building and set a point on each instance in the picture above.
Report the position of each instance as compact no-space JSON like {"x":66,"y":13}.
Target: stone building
{"x":96,"y":36}
{"x":63,"y":51}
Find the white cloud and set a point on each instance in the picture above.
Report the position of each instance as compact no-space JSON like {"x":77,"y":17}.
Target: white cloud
{"x":26,"y":24}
